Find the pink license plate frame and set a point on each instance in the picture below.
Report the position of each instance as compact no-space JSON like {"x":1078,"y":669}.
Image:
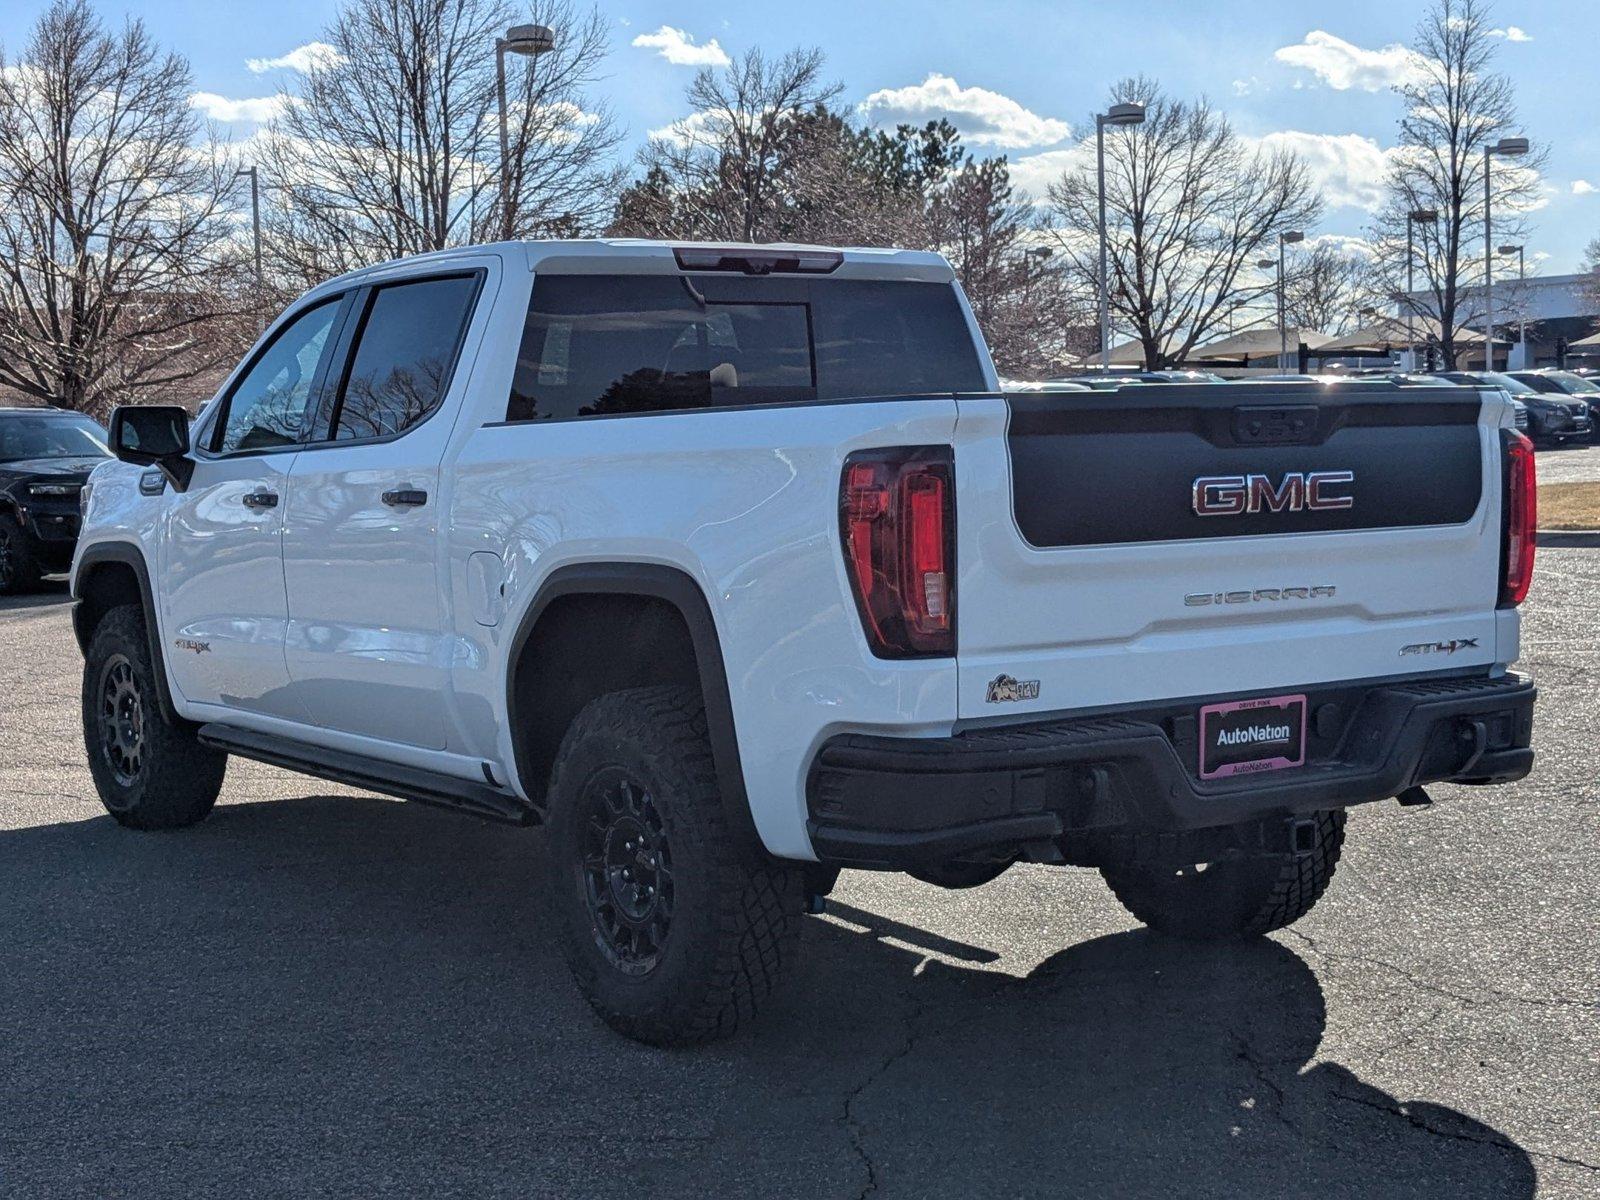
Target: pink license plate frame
{"x":1250,"y":766}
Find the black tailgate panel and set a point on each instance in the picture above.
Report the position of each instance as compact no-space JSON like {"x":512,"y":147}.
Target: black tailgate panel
{"x":1098,"y":468}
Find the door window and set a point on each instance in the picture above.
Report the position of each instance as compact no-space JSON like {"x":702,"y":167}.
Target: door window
{"x":405,"y":354}
{"x":265,"y":409}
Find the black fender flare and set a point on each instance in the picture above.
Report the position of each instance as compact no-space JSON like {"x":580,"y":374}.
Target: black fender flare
{"x":679,"y":589}
{"x":129,"y":555}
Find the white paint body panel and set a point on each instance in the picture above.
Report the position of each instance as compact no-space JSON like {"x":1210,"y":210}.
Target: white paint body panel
{"x":415,"y":611}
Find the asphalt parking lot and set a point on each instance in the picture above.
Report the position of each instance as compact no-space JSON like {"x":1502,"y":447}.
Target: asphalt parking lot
{"x":1578,"y":462}
{"x":319,"y":992}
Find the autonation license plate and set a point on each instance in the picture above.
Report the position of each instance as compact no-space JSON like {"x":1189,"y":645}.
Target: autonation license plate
{"x":1243,"y":736}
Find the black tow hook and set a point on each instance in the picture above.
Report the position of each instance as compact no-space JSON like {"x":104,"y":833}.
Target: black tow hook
{"x":1414,"y":797}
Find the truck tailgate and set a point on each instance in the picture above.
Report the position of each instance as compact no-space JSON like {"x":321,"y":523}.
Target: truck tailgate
{"x":1163,"y":542}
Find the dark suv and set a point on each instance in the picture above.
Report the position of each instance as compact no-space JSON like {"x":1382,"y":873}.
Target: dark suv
{"x":1565,"y":383}
{"x":45,"y":459}
{"x":1551,"y":418}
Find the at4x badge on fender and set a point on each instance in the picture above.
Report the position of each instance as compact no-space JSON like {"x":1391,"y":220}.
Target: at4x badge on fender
{"x":1005,"y":690}
{"x":1449,"y":647}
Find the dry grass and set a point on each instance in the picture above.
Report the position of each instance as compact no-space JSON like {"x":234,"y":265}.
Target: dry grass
{"x":1569,"y":506}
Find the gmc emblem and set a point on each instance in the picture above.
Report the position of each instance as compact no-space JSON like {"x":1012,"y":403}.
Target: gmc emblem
{"x":1300,"y":491}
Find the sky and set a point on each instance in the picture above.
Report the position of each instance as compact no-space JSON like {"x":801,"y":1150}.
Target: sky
{"x":1021,"y":78}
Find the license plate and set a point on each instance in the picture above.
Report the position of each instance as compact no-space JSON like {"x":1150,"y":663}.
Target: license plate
{"x":1240,"y":737}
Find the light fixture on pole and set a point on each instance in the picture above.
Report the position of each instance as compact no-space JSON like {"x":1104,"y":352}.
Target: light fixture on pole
{"x":532,"y":41}
{"x":1424,"y":216}
{"x":255,"y":224}
{"x":1522,"y":316}
{"x":1284,"y":239}
{"x":1511,"y":147}
{"x":1118,"y":114}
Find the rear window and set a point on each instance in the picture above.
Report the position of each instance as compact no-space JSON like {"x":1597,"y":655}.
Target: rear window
{"x":596,"y":345}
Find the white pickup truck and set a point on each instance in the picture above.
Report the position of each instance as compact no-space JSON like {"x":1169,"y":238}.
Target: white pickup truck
{"x":733,"y":567}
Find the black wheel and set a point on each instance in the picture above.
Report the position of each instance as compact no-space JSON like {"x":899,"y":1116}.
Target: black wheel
{"x":675,"y":931}
{"x":151,"y":772}
{"x":1235,"y":898}
{"x":19,"y":570}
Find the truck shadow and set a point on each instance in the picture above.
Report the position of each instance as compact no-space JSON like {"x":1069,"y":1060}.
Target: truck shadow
{"x":351,"y":996}
{"x":48,"y":594}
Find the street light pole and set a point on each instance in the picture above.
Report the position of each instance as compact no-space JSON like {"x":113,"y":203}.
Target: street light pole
{"x":532,"y":41}
{"x":1510,"y":147}
{"x":1284,"y":239}
{"x":1119,"y":114}
{"x":1427,"y":216}
{"x":255,"y":225}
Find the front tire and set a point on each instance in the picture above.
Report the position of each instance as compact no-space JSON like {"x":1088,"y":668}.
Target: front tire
{"x":152,"y":772}
{"x":19,"y":568}
{"x":675,"y":932}
{"x":1235,"y":898}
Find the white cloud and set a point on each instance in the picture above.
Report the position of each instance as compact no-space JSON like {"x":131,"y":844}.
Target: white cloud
{"x":984,"y":117}
{"x":678,"y":47}
{"x":1034,"y":173}
{"x":694,"y":129}
{"x":301,"y":58}
{"x":220,"y":108}
{"x":1582,"y":187}
{"x":1343,"y":65}
{"x":1512,"y":34}
{"x":1350,"y":168}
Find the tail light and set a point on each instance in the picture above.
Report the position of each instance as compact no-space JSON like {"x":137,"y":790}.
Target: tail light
{"x":1521,"y":520}
{"x":897,"y":519}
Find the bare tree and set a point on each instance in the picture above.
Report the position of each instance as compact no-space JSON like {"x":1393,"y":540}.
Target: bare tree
{"x":1591,"y":263}
{"x":1022,"y":299}
{"x":1328,"y":288}
{"x":389,"y":146}
{"x":1456,"y":106}
{"x":719,"y":173}
{"x":1188,"y":207}
{"x":115,"y":245}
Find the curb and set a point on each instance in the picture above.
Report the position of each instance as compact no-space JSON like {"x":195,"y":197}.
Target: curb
{"x":1576,"y":538}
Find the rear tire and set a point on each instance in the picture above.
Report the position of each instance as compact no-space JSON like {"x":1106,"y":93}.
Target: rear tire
{"x":19,"y":569}
{"x":151,"y":772}
{"x":675,"y":932}
{"x":1233,"y":899}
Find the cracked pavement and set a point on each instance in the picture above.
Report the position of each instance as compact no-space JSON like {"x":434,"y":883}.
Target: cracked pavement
{"x":319,"y":992}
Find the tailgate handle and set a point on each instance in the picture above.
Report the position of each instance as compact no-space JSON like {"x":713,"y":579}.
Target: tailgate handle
{"x":1275,"y":425}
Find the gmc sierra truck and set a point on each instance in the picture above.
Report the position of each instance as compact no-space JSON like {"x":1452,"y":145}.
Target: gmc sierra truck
{"x":732,"y":566}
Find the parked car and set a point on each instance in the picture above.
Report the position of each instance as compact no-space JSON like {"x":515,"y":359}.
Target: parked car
{"x":1551,"y":418}
{"x":45,"y":457}
{"x":732,"y":566}
{"x":1551,"y":382}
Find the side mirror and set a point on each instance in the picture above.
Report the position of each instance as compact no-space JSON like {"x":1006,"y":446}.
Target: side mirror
{"x":154,"y":435}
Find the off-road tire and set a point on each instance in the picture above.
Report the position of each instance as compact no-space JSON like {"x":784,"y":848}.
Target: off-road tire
{"x":734,"y":915}
{"x":157,"y":775}
{"x":1233,"y":899}
{"x":19,"y":569}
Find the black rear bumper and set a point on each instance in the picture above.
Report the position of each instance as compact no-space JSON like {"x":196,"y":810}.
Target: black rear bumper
{"x":897,"y":801}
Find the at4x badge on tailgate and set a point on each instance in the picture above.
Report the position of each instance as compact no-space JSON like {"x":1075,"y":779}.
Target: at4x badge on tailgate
{"x":1005,"y":690}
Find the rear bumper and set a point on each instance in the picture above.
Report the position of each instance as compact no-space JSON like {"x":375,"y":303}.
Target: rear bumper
{"x":895,"y":802}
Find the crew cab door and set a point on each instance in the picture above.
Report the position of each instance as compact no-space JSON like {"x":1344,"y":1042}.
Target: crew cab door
{"x":367,"y":646}
{"x":222,"y":593}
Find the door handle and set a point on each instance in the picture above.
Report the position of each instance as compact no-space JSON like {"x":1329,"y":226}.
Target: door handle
{"x":406,"y":498}
{"x":261,"y":500}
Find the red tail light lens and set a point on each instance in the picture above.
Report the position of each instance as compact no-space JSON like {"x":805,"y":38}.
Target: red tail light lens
{"x":1521,"y":520}
{"x":897,"y":518}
